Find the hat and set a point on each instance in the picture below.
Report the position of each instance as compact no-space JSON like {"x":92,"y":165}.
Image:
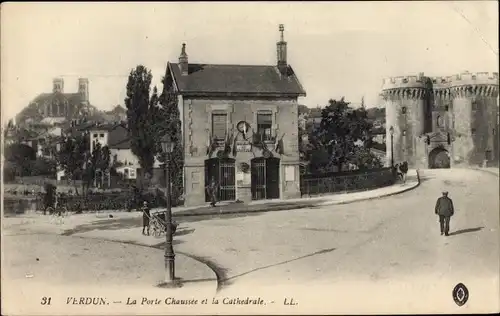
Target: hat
{"x":445,"y":192}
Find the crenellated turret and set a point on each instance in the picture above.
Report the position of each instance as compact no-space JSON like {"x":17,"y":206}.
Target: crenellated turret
{"x":405,"y":103}
{"x":459,"y":111}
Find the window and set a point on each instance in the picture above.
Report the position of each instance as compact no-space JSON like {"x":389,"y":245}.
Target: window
{"x":473,"y":131}
{"x":95,"y":135}
{"x":446,"y":108}
{"x":219,"y":126}
{"x":487,"y":155}
{"x":474,"y":106}
{"x":403,"y":110}
{"x":264,"y":125}
{"x":494,"y":132}
{"x":404,"y":132}
{"x":101,"y":135}
{"x":132,"y":173}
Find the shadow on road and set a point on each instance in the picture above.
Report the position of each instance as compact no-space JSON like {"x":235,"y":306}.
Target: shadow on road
{"x":200,"y":218}
{"x":464,"y":231}
{"x":127,"y":223}
{"x":228,"y":281}
{"x":111,"y":224}
{"x":424,"y":178}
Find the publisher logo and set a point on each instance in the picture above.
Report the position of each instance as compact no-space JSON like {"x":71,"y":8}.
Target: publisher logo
{"x":460,"y":294}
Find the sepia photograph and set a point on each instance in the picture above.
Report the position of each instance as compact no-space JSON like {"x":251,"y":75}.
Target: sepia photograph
{"x":203,"y":158}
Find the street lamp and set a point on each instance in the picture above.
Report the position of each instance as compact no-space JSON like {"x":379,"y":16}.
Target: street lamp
{"x":168,"y":146}
{"x":391,"y":131}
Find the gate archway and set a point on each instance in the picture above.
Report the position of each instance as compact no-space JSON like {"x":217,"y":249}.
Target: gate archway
{"x":439,"y":158}
{"x":265,"y":178}
{"x":222,"y":170}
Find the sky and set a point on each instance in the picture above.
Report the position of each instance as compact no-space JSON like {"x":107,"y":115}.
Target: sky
{"x":336,"y":48}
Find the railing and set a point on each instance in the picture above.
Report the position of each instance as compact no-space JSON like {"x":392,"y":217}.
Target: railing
{"x":344,"y":182}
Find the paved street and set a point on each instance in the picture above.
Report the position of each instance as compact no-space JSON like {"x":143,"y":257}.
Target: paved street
{"x":387,"y":249}
{"x":62,"y":267}
{"x":378,"y":256}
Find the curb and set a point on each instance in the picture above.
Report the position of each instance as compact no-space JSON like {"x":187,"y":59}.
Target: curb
{"x":376,"y":197}
{"x":487,"y":171}
{"x":289,"y":207}
{"x":277,"y":208}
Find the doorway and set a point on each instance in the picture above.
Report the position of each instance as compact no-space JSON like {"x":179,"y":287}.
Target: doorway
{"x":439,"y":158}
{"x":265,"y":173}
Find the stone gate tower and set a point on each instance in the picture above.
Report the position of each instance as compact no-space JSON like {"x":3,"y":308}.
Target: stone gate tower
{"x":442,"y":121}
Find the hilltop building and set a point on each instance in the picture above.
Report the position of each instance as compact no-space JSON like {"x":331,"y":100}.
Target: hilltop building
{"x":57,"y":107}
{"x":442,"y":122}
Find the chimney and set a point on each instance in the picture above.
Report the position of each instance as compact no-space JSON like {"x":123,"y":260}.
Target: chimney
{"x":83,"y":90}
{"x":58,"y":85}
{"x":281,"y":52}
{"x":183,"y":61}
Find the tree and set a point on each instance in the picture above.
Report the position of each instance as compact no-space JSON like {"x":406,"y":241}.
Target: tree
{"x":139,"y":117}
{"x":364,"y":159}
{"x":20,"y":158}
{"x":18,"y":152}
{"x":73,"y":157}
{"x":100,"y":163}
{"x":341,"y":131}
{"x":169,"y":122}
{"x":43,"y":167}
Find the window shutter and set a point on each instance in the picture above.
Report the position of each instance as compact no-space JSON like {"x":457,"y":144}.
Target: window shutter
{"x":219,"y":127}
{"x":264,"y":118}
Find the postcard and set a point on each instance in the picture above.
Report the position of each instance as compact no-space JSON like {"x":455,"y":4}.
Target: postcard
{"x":204,"y":158}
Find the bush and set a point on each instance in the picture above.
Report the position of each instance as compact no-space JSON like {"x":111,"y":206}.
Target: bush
{"x":9,"y":171}
{"x":43,"y":167}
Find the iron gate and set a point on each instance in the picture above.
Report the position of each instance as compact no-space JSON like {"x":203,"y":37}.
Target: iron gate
{"x":223,"y":172}
{"x":265,"y":178}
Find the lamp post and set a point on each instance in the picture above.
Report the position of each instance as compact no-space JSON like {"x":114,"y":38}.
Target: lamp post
{"x":391,"y":131}
{"x":167,"y":146}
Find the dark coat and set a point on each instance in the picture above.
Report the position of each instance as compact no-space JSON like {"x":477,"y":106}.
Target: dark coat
{"x":145,"y":216}
{"x":444,"y":206}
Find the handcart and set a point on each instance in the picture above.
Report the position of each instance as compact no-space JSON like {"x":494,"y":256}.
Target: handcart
{"x":158,"y":224}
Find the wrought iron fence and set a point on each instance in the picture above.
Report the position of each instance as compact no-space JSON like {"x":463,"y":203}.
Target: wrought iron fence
{"x":346,"y":181}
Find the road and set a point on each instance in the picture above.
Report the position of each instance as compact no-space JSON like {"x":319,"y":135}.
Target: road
{"x":365,"y":257}
{"x":378,"y":256}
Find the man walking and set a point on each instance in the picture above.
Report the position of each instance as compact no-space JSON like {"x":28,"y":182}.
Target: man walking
{"x":212,"y":191}
{"x":444,"y":209}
